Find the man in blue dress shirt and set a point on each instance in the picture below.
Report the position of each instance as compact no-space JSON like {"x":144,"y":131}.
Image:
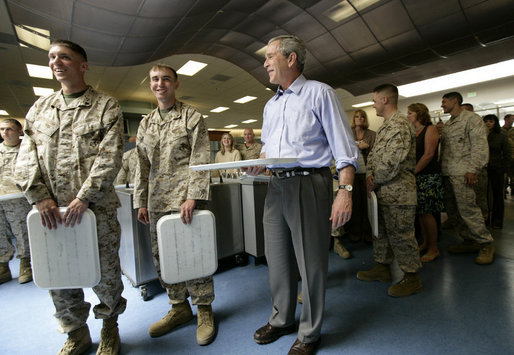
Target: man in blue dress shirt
{"x":304,"y":120}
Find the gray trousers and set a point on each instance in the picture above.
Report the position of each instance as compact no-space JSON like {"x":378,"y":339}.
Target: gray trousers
{"x":297,"y":237}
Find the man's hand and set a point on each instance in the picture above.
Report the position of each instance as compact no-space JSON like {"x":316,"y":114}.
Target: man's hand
{"x":470,"y":179}
{"x":254,"y":170}
{"x":74,"y":212}
{"x":341,"y":209}
{"x":49,"y":212}
{"x":186,"y":211}
{"x":370,"y":185}
{"x":142,"y":215}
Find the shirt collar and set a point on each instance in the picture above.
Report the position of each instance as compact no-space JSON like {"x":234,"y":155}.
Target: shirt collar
{"x":294,"y":88}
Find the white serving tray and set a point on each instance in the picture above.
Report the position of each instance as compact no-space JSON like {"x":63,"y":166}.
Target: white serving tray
{"x":187,"y":251}
{"x":66,"y":257}
{"x":12,"y":196}
{"x":373,"y":213}
{"x":244,"y":163}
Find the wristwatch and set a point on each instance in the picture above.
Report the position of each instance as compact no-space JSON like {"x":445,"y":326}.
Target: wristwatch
{"x":346,"y":187}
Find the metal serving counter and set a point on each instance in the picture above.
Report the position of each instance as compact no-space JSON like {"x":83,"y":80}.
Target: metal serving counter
{"x":237,"y":205}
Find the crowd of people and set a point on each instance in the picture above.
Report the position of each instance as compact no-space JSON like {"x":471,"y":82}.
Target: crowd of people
{"x":72,"y":155}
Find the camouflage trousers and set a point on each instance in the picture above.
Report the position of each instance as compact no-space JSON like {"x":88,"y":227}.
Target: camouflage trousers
{"x":201,"y":290}
{"x":13,"y":222}
{"x":480,"y":189}
{"x":460,"y":200}
{"x":71,"y":309}
{"x":396,"y":237}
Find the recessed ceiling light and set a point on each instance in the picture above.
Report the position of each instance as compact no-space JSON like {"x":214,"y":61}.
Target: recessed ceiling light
{"x":42,"y":91}
{"x":343,"y":9}
{"x":39,"y":71}
{"x":3,"y":113}
{"x":249,"y":121}
{"x":261,"y":52}
{"x":191,"y":68}
{"x":455,"y":80}
{"x":205,"y":116}
{"x":219,"y":109}
{"x":245,"y":99}
{"x":363,"y":104}
{"x":231,"y":126}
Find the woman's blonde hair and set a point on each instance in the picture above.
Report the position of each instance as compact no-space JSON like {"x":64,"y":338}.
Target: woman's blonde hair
{"x":363,"y":113}
{"x":232,"y":146}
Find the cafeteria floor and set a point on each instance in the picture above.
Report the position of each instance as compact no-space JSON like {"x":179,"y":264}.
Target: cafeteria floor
{"x":464,"y":309}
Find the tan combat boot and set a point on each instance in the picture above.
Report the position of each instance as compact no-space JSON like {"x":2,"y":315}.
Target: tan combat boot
{"x":25,"y":271}
{"x":77,"y":343}
{"x":205,"y":332}
{"x":340,"y":249}
{"x":179,"y":314}
{"x":109,"y":337}
{"x":486,"y":254}
{"x":379,"y":272}
{"x":409,"y":285}
{"x":5,"y":273}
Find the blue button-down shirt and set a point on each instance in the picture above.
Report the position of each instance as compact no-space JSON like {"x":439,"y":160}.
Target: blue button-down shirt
{"x":307,"y":122}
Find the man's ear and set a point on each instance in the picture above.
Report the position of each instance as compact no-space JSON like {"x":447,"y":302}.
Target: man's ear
{"x":291,"y":60}
{"x":84,"y":66}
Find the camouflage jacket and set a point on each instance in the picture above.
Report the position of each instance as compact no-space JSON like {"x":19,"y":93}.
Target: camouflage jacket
{"x":165,"y":150}
{"x":7,"y":163}
{"x":128,"y":168}
{"x":464,"y":147}
{"x":392,"y":160}
{"x":251,"y":152}
{"x":72,"y":150}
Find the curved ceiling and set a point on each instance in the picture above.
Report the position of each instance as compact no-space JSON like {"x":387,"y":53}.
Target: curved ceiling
{"x":352,"y":44}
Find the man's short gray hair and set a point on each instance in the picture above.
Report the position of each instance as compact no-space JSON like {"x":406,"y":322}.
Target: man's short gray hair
{"x":289,"y":44}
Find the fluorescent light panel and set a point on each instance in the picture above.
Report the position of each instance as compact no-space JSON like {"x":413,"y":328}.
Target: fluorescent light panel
{"x":39,"y":71}
{"x":3,"y":113}
{"x":249,"y":121}
{"x":231,"y":126}
{"x":455,"y":80}
{"x":219,"y":109}
{"x":343,"y":9}
{"x":363,"y":104}
{"x":245,"y":99}
{"x":42,"y":91}
{"x":191,"y":68}
{"x":205,"y":116}
{"x":37,"y":37}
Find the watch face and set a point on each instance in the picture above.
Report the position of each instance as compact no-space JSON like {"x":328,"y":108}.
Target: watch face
{"x":349,"y":187}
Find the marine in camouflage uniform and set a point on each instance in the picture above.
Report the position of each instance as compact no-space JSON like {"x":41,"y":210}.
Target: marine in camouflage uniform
{"x":13,"y":213}
{"x":464,"y":153}
{"x":74,"y":151}
{"x":253,"y":151}
{"x":170,"y":139}
{"x":165,"y":149}
{"x":391,"y":163}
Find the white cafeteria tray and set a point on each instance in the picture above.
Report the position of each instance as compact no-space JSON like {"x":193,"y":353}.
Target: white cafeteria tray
{"x":66,"y":257}
{"x":187,"y":251}
{"x":244,"y":163}
{"x":373,"y":213}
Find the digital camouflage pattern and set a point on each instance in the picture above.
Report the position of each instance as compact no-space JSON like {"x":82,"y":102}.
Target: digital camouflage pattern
{"x":128,"y":168}
{"x":13,"y":216}
{"x":165,"y":150}
{"x":71,"y":309}
{"x":8,"y":157}
{"x":251,"y":152}
{"x":201,"y":290}
{"x":468,"y":216}
{"x":392,"y":161}
{"x":72,"y":150}
{"x":464,"y":147}
{"x":396,"y":237}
